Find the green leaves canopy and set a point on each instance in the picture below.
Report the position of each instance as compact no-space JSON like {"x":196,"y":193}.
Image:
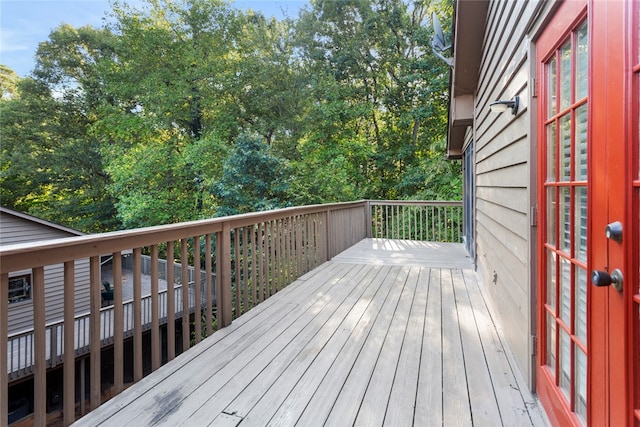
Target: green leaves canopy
{"x":185,"y":109}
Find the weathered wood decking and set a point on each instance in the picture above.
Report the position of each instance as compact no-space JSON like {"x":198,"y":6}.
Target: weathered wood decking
{"x":387,"y":333}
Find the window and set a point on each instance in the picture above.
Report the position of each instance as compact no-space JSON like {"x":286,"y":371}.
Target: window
{"x":468,"y":199}
{"x":19,"y":288}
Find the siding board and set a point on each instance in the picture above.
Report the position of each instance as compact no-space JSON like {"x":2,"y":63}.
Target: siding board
{"x":512,"y":155}
{"x":516,"y":199}
{"x":16,"y":229}
{"x":515,"y":176}
{"x":503,"y":174}
{"x":516,"y":222}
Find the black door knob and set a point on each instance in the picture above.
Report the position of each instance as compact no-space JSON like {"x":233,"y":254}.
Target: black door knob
{"x":614,"y":231}
{"x":600,"y":278}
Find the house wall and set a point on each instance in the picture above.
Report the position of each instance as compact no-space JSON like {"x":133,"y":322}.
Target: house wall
{"x":505,"y":172}
{"x":15,"y":230}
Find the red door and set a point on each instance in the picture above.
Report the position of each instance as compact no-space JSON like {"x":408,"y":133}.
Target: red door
{"x":588,"y":167}
{"x":633,"y":246}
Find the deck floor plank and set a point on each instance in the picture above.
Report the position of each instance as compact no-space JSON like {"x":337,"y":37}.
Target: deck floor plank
{"x":227,"y":365}
{"x":252,"y":380}
{"x":381,"y":335}
{"x":428,"y":410}
{"x":187,"y":368}
{"x":347,"y":405}
{"x":374,"y":406}
{"x":326,"y":394}
{"x":291,"y":409}
{"x":456,"y":410}
{"x":401,"y":406}
{"x":482,"y":399}
{"x":320,"y":349}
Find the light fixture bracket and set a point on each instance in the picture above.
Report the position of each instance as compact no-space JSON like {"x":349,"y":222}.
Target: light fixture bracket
{"x":500,"y":106}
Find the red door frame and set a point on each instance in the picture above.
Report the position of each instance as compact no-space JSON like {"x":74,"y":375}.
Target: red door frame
{"x":612,"y":389}
{"x":565,"y":19}
{"x":632,"y":81}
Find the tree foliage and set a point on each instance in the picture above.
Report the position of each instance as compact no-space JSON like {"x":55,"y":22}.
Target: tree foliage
{"x":184,"y":109}
{"x":252,"y":179}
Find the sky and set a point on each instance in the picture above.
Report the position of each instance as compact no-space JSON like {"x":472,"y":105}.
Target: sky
{"x":25,"y":23}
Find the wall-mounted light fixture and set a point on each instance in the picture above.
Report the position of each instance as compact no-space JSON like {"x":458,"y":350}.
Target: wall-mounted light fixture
{"x":501,"y":106}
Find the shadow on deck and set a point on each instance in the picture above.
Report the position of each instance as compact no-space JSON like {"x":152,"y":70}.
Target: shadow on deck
{"x":386,"y":333}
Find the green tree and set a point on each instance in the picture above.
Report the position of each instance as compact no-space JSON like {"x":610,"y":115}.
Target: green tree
{"x":253,"y":179}
{"x":51,"y":167}
{"x":169,"y":84}
{"x":8,"y":83}
{"x":383,"y":96}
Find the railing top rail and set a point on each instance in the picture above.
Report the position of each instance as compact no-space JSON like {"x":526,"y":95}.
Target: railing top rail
{"x":415,"y":202}
{"x":35,"y":254}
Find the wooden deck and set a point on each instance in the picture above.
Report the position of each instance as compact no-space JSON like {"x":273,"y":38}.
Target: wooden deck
{"x":387,"y":333}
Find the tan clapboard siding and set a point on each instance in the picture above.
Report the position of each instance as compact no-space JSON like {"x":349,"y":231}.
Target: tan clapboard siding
{"x":16,"y":229}
{"x":503,"y":175}
{"x":515,"y":176}
{"x":507,"y":298}
{"x":513,"y":198}
{"x":21,"y":313}
{"x":513,"y":221}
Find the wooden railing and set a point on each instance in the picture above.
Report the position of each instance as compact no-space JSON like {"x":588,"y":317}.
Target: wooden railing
{"x":251,"y":257}
{"x":417,"y":220}
{"x":21,"y":345}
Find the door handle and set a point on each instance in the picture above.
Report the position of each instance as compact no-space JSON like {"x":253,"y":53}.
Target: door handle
{"x":602,"y":278}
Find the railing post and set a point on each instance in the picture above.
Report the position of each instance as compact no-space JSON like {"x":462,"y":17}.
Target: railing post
{"x":223,"y":275}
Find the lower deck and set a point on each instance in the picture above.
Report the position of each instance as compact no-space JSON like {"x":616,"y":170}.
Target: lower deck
{"x":387,"y":333}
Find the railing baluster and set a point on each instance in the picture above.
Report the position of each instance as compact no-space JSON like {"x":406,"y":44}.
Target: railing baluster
{"x":197,"y":282}
{"x":280,"y":255}
{"x":171,"y":303}
{"x":268,"y":239}
{"x":288,"y":246}
{"x":155,"y":312}
{"x":403,"y":218}
{"x":299,"y":249}
{"x":69,"y":371}
{"x":223,"y":275}
{"x":184,"y":260}
{"x":244,"y":289}
{"x":40,"y":368}
{"x":275,"y":270}
{"x":209,"y":284}
{"x":253,"y":243}
{"x":238,"y":279}
{"x":118,"y":324}
{"x":261,"y":269}
{"x":137,"y":314}
{"x":94,"y":334}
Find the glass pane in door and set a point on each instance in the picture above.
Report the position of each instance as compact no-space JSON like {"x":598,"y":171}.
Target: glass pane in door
{"x":566,"y":187}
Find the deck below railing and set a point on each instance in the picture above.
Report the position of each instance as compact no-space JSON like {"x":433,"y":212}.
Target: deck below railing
{"x":384,"y":334}
{"x":252,"y":257}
